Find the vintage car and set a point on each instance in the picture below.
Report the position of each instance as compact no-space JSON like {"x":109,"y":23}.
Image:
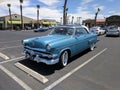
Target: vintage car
{"x":61,"y":44}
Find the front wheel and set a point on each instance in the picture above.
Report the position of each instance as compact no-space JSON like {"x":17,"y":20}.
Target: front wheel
{"x":64,"y":58}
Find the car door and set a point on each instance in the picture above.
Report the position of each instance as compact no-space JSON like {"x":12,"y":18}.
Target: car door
{"x":81,"y":38}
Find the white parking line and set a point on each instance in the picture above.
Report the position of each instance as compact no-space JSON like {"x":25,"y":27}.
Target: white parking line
{"x":10,"y":47}
{"x":14,"y":59}
{"x":11,"y":41}
{"x":20,"y":82}
{"x":34,"y":74}
{"x":4,"y":56}
{"x":73,"y":71}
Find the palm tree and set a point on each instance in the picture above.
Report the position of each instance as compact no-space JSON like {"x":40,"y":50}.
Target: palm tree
{"x":98,"y":10}
{"x":9,"y":5}
{"x":38,"y":7}
{"x":65,"y":12}
{"x":22,"y":25}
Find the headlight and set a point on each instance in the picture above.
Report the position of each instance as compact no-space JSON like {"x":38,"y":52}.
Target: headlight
{"x":24,"y":41}
{"x":48,"y":47}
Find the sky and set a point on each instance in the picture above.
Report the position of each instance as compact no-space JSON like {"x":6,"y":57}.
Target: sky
{"x":53,"y":9}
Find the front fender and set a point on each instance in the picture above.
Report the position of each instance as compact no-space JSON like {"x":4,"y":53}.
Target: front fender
{"x":65,"y":49}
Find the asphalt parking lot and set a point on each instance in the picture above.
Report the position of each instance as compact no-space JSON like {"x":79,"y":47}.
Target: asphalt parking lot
{"x":90,"y":70}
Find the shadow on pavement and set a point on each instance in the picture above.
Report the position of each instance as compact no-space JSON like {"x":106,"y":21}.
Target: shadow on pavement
{"x":44,"y":69}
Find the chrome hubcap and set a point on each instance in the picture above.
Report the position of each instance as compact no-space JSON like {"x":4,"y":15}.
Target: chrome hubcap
{"x":92,"y":47}
{"x":65,"y":58}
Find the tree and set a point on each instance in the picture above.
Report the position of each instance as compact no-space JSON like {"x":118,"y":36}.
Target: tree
{"x":38,"y":7}
{"x":98,"y":10}
{"x":9,"y":5}
{"x":22,"y":25}
{"x":65,"y":13}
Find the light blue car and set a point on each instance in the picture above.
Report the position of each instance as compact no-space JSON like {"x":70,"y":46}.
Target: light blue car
{"x":61,"y":44}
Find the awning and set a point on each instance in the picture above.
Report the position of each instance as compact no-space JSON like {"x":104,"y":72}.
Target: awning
{"x":1,"y":22}
{"x":46,"y":23}
{"x":53,"y":23}
{"x":15,"y":22}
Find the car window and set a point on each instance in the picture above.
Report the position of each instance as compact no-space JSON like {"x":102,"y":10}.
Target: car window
{"x":113,"y":27}
{"x":63,"y":31}
{"x":81,"y":31}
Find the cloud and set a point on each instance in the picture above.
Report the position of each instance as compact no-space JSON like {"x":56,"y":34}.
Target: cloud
{"x":14,"y":2}
{"x":96,"y":6}
{"x":14,"y":6}
{"x":114,"y":12}
{"x":53,"y":9}
{"x":86,"y":1}
{"x":49,"y":2}
{"x":83,"y":13}
{"x":43,"y":13}
{"x":110,"y":0}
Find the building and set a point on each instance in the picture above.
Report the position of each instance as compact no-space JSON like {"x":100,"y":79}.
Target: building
{"x":113,"y":20}
{"x":28,"y":23}
{"x":5,"y":22}
{"x":91,"y":22}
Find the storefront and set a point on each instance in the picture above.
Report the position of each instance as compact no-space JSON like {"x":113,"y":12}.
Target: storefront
{"x":113,"y":20}
{"x":91,"y":22}
{"x":29,"y":23}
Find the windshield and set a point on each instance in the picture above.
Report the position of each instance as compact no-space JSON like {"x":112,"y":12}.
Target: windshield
{"x":63,"y":31}
{"x":113,"y":27}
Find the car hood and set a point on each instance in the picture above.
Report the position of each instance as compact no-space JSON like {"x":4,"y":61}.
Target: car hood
{"x":41,"y":42}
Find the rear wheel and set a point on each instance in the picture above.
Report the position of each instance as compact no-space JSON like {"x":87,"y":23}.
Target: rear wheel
{"x":64,"y":58}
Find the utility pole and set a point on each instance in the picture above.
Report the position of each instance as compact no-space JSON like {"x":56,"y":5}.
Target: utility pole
{"x":65,"y":13}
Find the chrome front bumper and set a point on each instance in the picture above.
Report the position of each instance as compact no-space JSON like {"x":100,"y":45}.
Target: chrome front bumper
{"x":41,"y":57}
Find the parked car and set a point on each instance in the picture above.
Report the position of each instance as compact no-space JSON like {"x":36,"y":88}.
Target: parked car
{"x":61,"y":44}
{"x":97,"y":30}
{"x":27,"y":28}
{"x":41,"y":29}
{"x":113,"y":31}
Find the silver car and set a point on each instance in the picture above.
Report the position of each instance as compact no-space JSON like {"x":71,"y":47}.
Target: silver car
{"x":113,"y":31}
